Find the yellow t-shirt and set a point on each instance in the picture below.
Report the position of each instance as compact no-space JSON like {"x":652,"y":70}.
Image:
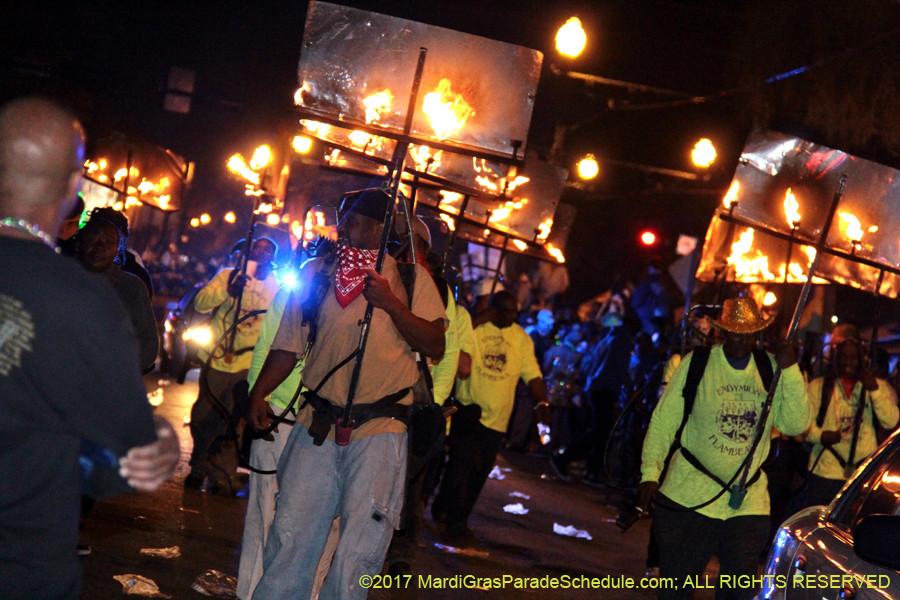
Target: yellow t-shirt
{"x":720,"y":432}
{"x":443,"y":372}
{"x":500,"y":357}
{"x":258,"y":294}
{"x":284,"y":393}
{"x":840,"y":416}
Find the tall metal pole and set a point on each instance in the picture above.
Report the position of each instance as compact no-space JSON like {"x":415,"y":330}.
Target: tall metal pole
{"x":454,"y":233}
{"x":499,"y":265}
{"x":737,"y":496}
{"x":344,"y":428}
{"x":688,"y":294}
{"x":242,"y":270}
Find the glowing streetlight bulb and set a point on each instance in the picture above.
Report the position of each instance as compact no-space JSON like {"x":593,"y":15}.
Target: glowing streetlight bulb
{"x":570,"y":38}
{"x":588,"y":168}
{"x":195,"y":222}
{"x":302,"y":144}
{"x":260,"y":158}
{"x":273,"y":219}
{"x":704,"y":153}
{"x":229,"y":217}
{"x":204,"y":218}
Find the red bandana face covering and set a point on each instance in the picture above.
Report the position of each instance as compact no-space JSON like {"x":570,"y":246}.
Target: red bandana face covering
{"x":351,"y":272}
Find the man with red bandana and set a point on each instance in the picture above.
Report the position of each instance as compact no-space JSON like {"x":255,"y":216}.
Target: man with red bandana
{"x":362,"y":482}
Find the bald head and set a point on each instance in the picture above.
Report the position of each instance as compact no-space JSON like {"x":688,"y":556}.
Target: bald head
{"x":41,"y":151}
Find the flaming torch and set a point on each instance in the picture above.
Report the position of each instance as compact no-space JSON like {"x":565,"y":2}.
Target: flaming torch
{"x":447,"y":110}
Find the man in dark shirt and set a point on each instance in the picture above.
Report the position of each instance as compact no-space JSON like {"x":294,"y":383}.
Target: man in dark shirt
{"x":68,"y":366}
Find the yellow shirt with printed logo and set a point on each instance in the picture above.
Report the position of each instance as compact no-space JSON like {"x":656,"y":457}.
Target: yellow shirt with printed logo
{"x":720,"y":432}
{"x":840,"y":416}
{"x":500,"y":357}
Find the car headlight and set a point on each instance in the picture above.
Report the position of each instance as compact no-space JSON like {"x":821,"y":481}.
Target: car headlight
{"x":201,"y":335}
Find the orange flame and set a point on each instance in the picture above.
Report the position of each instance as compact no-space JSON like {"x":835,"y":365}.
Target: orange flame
{"x":544,"y":230}
{"x":853,"y":230}
{"x":447,"y":110}
{"x":421,"y":155}
{"x":791,"y":209}
{"x":377,"y":104}
{"x":450,"y":197}
{"x":298,"y":95}
{"x":555,"y":252}
{"x":731,"y":196}
{"x":750,"y":268}
{"x":451,"y":224}
{"x":315,"y":127}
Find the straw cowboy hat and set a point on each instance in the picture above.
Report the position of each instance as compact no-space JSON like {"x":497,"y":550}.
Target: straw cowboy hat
{"x":741,"y":315}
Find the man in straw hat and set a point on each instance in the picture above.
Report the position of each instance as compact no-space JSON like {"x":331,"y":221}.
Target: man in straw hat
{"x":708,"y":416}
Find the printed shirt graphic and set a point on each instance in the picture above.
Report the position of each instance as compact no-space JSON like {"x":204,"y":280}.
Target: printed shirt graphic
{"x":841,"y":416}
{"x":720,"y":432}
{"x":16,"y":333}
{"x":500,"y":358}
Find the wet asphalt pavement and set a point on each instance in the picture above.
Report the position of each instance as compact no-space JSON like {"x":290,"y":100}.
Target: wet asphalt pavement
{"x":207,"y":529}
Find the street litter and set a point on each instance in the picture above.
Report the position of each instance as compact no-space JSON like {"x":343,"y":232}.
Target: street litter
{"x":571,"y":531}
{"x":173,"y":552}
{"x":496,"y":474}
{"x":136,"y":585}
{"x":216,"y":584}
{"x":516,"y":509}
{"x":519,"y":495}
{"x":462,"y":551}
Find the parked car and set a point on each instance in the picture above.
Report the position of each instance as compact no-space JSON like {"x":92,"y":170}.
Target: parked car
{"x":848,"y":549}
{"x":185,"y":331}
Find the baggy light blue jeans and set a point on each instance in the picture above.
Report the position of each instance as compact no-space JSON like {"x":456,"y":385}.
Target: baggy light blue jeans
{"x":363,"y":483}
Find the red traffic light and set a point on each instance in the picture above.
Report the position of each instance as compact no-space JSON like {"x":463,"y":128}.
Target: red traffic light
{"x":648,"y":238}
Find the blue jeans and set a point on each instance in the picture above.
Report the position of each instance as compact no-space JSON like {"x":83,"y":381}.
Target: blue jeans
{"x":363,"y":483}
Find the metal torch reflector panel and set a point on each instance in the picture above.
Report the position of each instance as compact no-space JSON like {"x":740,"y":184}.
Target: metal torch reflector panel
{"x":357,"y":67}
{"x":526,"y":210}
{"x":776,"y":208}
{"x":141,"y":172}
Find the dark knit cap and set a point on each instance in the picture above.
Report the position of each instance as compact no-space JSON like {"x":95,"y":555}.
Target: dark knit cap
{"x":370,"y":202}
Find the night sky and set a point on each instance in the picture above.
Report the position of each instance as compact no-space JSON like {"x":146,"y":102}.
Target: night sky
{"x":110,"y":60}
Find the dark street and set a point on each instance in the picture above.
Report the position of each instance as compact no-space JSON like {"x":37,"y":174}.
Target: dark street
{"x":207,"y":529}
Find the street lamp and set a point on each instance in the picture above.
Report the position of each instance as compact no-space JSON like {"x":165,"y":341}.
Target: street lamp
{"x":570,"y":38}
{"x":588,"y":168}
{"x":229,"y":217}
{"x":704,"y":153}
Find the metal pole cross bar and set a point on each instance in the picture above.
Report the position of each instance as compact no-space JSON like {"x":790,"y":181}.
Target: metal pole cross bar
{"x":344,"y":428}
